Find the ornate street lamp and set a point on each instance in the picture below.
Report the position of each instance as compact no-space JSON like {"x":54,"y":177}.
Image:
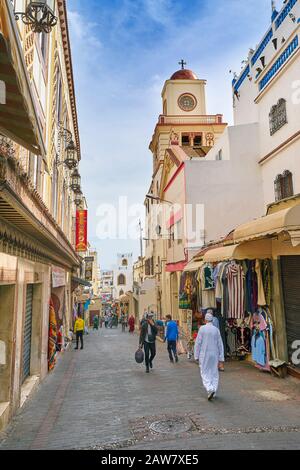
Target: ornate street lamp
{"x":65,"y":136}
{"x":78,"y":199}
{"x":39,"y":15}
{"x":76,"y":181}
{"x":71,"y":161}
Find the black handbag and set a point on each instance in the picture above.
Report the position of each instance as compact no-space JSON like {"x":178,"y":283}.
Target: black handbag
{"x":139,"y":356}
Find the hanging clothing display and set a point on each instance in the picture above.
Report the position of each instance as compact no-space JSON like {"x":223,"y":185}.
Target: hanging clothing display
{"x":261,"y":299}
{"x":240,"y":294}
{"x":52,"y":339}
{"x":206,"y":285}
{"x":235,"y":276}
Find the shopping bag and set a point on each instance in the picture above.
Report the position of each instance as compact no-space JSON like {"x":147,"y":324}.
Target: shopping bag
{"x":180,"y":348}
{"x":139,"y":356}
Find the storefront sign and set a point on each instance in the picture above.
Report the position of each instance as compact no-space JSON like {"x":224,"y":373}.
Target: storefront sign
{"x":89,"y":261}
{"x":58,"y":277}
{"x":81,"y":231}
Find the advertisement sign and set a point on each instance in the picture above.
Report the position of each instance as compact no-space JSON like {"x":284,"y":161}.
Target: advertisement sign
{"x":58,"y":277}
{"x":81,"y":231}
{"x":89,"y":261}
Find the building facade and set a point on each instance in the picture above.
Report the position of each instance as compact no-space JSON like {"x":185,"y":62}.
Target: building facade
{"x":123,"y":275}
{"x":39,"y":133}
{"x":184,"y":123}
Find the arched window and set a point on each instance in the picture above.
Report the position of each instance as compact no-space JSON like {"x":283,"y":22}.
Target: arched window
{"x":121,"y":280}
{"x":124,"y":262}
{"x":121,"y":292}
{"x":284,"y":186}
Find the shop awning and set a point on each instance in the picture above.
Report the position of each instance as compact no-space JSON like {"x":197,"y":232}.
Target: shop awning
{"x":193,"y":266}
{"x":287,"y":220}
{"x":18,"y":116}
{"x":261,"y":249}
{"x":81,"y":282}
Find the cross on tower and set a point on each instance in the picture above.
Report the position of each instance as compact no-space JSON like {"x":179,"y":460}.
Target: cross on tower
{"x":182,"y":63}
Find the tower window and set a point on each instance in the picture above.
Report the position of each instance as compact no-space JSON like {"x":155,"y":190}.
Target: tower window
{"x":185,"y":139}
{"x":121,"y":280}
{"x":198,"y":141}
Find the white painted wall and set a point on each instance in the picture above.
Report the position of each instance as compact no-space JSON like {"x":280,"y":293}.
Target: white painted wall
{"x":230,"y":190}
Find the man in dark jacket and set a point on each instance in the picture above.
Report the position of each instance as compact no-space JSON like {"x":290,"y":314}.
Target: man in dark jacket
{"x":148,"y":340}
{"x":172,"y":336}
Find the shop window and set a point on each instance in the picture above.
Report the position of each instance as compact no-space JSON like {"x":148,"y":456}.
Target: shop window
{"x":284,"y":186}
{"x":185,"y":139}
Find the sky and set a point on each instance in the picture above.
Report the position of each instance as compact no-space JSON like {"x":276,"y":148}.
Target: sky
{"x":123,"y":51}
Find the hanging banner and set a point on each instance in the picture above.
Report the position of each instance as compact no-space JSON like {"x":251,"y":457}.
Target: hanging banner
{"x":81,"y":231}
{"x":89,"y":261}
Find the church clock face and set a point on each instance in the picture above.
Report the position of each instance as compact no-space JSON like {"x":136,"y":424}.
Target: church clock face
{"x":187,"y":102}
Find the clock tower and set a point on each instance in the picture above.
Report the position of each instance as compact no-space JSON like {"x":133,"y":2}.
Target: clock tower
{"x":184,"y":94}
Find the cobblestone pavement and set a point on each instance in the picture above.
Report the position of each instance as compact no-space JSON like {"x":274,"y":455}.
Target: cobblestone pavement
{"x":100,"y":398}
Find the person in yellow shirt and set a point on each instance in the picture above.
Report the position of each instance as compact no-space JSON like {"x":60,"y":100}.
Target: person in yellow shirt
{"x":78,"y":330}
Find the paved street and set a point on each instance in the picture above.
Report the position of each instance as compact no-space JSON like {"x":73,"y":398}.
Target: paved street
{"x":100,"y":398}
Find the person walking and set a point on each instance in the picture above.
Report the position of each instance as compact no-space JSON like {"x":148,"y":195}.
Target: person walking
{"x":123,"y":322}
{"x":172,"y":336}
{"x":78,"y":330}
{"x":209,"y":351}
{"x":148,"y":340}
{"x":106,"y":320}
{"x":131,"y":323}
{"x":96,"y":323}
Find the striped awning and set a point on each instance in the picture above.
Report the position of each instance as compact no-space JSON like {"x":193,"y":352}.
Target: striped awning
{"x":18,"y":116}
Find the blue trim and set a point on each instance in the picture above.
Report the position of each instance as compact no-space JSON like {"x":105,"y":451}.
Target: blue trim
{"x":242,"y":78}
{"x":279,"y":63}
{"x":262,"y":47}
{"x":274,"y":15}
{"x":285,"y":13}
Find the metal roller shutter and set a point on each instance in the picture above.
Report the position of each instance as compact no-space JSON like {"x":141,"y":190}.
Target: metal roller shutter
{"x":27,"y":333}
{"x":290,"y":269}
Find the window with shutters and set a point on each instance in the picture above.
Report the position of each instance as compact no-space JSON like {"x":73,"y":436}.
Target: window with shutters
{"x":121,"y":280}
{"x":284,"y":186}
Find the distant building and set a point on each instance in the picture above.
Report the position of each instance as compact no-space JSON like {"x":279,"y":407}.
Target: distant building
{"x":123,"y":274}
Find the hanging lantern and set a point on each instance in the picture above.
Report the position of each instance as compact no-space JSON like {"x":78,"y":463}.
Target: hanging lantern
{"x":78,"y":199}
{"x":76,"y":181}
{"x":39,"y":15}
{"x":71,"y":161}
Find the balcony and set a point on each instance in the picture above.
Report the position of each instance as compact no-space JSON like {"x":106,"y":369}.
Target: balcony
{"x":201,"y":120}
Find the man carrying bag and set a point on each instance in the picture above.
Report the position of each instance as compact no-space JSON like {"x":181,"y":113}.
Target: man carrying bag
{"x":148,"y":340}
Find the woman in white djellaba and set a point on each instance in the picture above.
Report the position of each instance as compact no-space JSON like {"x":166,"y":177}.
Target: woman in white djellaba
{"x":209,"y":351}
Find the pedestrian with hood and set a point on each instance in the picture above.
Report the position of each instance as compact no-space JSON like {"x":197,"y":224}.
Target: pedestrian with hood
{"x":209,"y":351}
{"x":172,"y":336}
{"x":148,"y":340}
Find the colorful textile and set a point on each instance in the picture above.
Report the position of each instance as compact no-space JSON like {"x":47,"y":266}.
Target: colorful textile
{"x":235,"y":276}
{"x":259,"y":348}
{"x":266,"y":269}
{"x":261,"y":299}
{"x":185,"y":291}
{"x":52,"y":340}
{"x":208,"y":277}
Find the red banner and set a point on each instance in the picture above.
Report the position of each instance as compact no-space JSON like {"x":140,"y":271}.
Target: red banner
{"x":81,"y":231}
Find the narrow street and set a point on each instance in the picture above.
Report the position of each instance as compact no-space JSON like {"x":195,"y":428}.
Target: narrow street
{"x":100,"y":398}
